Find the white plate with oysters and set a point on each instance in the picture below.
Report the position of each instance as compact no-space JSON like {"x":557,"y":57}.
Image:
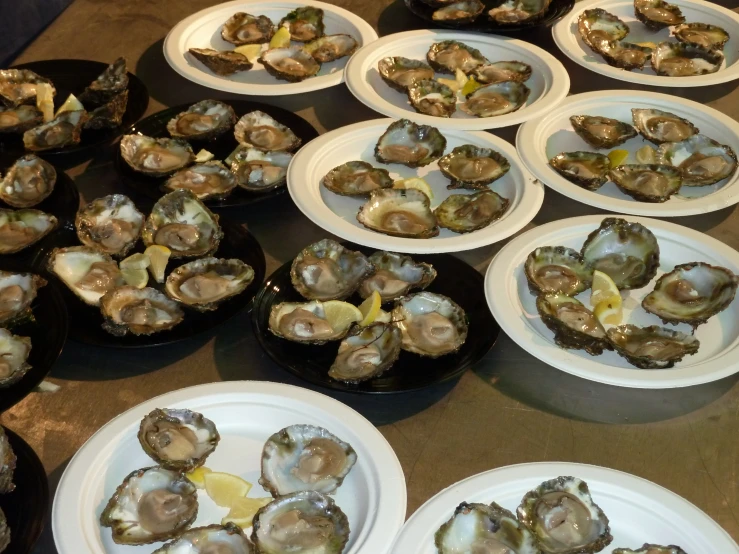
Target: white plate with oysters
{"x":412,"y":75}
{"x":213,"y":46}
{"x":366,"y":484}
{"x":638,"y":512}
{"x":680,"y":322}
{"x":684,"y":43}
{"x":475,"y":190}
{"x":694,"y":147}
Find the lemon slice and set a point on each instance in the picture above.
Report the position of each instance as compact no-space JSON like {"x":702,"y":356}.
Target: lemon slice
{"x":71,"y":104}
{"x":609,"y":313}
{"x":203,"y":156}
{"x":370,"y":308}
{"x":341,"y":315}
{"x":470,"y":86}
{"x":135,"y":277}
{"x":415,"y":183}
{"x":250,"y":51}
{"x":244,"y":510}
{"x":451,"y":83}
{"x":604,"y":290}
{"x":646,"y":155}
{"x":618,"y":157}
{"x":383,"y":317}
{"x":225,"y":489}
{"x":159,"y":257}
{"x":197,"y":476}
{"x":281,"y":38}
{"x":45,"y":101}
{"x":461,"y":78}
{"x":135,"y":261}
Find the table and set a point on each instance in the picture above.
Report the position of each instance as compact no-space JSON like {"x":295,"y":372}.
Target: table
{"x":510,"y":409}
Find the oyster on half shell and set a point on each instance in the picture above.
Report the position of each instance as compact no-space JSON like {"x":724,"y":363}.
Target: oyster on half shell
{"x":702,"y":34}
{"x":586,"y":169}
{"x":208,"y":181}
{"x":110,"y":224}
{"x":395,"y":276}
{"x":464,"y":213}
{"x":206,"y":282}
{"x":14,"y":351}
{"x":651,"y":549}
{"x":291,"y":64}
{"x":701,"y":160}
{"x":20,"y":118}
{"x":658,"y":126}
{"x":514,"y":12}
{"x":203,"y":120}
{"x":647,"y":182}
{"x":657,"y":14}
{"x":366,"y":353}
{"x":678,"y":59}
{"x":63,"y":130}
{"x":497,"y":72}
{"x":597,"y":25}
{"x":223,"y":63}
{"x":244,"y":28}
{"x":602,"y":132}
{"x":305,"y":322}
{"x":431,"y":97}
{"x":28,"y":182}
{"x":399,"y":213}
{"x":7,"y":464}
{"x":433,"y":325}
{"x":329,"y":48}
{"x":19,"y":86}
{"x":155,"y":156}
{"x":87,"y":272}
{"x":449,"y":55}
{"x":473,"y":167}
{"x":459,"y":13}
{"x":137,"y":311}
{"x":213,"y":539}
{"x":625,"y":55}
{"x":20,"y":229}
{"x":652,"y":347}
{"x":356,"y":178}
{"x":557,"y":270}
{"x":496,"y":99}
{"x":400,"y":72}
{"x":574,"y":326}
{"x":407,"y":143}
{"x":305,"y":23}
{"x":260,"y":130}
{"x":257,"y":170}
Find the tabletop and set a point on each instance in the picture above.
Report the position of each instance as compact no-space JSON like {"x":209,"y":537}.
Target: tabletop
{"x":510,"y":408}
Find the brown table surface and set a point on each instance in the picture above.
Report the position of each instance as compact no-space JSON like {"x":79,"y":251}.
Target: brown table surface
{"x":510,"y":409}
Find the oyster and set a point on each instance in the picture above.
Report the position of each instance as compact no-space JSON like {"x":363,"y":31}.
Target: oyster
{"x":260,"y":130}
{"x":702,"y":160}
{"x":602,"y":132}
{"x":152,"y":504}
{"x":395,"y":275}
{"x":586,"y":169}
{"x":658,"y":126}
{"x":244,"y":28}
{"x":291,"y":64}
{"x":330,"y":48}
{"x":110,"y":224}
{"x":464,"y":213}
{"x":357,"y":178}
{"x":305,"y":458}
{"x":22,"y":228}
{"x":563,"y":517}
{"x":657,"y":14}
{"x":484,"y":529}
{"x":496,"y":99}
{"x":399,"y":213}
{"x":17,"y":292}
{"x":432,"y":324}
{"x":691,"y":293}
{"x":326,"y":270}
{"x":409,"y":144}
{"x":206,"y":282}
{"x":7,"y":464}
{"x":138,"y":311}
{"x":305,"y":522}
{"x":14,"y":351}
{"x":573,"y":325}
{"x":557,"y":270}
{"x":651,"y":549}
{"x":677,"y":59}
{"x":258,"y":171}
{"x":431,"y":97}
{"x":63,"y":130}
{"x":207,"y":181}
{"x":108,"y":115}
{"x":647,"y":182}
{"x":597,"y":25}
{"x":305,"y":24}
{"x":183,"y":224}
{"x":514,"y":12}
{"x":180,"y":440}
{"x":4,"y":532}
{"x":498,"y":72}
{"x":19,"y":86}
{"x":110,"y":83}
{"x":625,"y":55}
{"x":221,"y":63}
{"x":652,"y":347}
{"x":29,"y":181}
{"x":702,"y":34}
{"x":400,"y":72}
{"x":449,"y":55}
{"x":156,"y":157}
{"x":366,"y":353}
{"x":88,"y":273}
{"x":627,"y":252}
{"x":459,"y":13}
{"x":472,"y":167}
{"x":19,"y":119}
{"x":203,"y":120}
{"x":213,"y":539}
{"x":305,"y":322}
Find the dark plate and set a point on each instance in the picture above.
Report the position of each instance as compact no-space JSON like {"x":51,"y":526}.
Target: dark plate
{"x":456,"y":279}
{"x":556,"y":11}
{"x":71,"y":77}
{"x":156,"y":126}
{"x":26,"y":507}
{"x":85,"y":326}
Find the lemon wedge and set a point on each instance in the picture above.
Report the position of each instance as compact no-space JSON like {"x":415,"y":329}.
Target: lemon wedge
{"x":135,"y":277}
{"x":415,"y":183}
{"x":45,"y":101}
{"x":470,"y":86}
{"x":225,"y":489}
{"x":197,"y":476}
{"x":618,"y":157}
{"x":203,"y":156}
{"x":71,"y":104}
{"x":250,"y":51}
{"x":383,"y":317}
{"x":609,"y":313}
{"x":370,"y":308}
{"x":461,"y":78}
{"x":244,"y":510}
{"x":281,"y":38}
{"x":135,"y":261}
{"x":604,"y":289}
{"x":158,"y":257}
{"x":340,"y":315}
{"x":451,"y":83}
{"x":646,"y":155}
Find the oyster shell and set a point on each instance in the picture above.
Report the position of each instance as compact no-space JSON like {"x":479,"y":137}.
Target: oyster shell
{"x":647,"y":182}
{"x":400,"y":72}
{"x":259,"y":171}
{"x":459,"y":13}
{"x":305,"y":23}
{"x":496,"y":99}
{"x":203,"y":120}
{"x":138,"y":311}
{"x":183,"y":224}
{"x":602,"y":132}
{"x":155,"y":157}
{"x":657,"y":14}
{"x":206,"y":282}
{"x":625,"y":55}
{"x":449,"y":55}
{"x":108,"y":115}
{"x":652,"y":347}
{"x":110,"y":83}
{"x":464,"y":213}
{"x":627,"y":252}
{"x":399,"y":213}
{"x":110,"y":224}
{"x":433,"y":325}
{"x":651,"y":549}
{"x":586,"y":169}
{"x":329,"y":48}
{"x":366,"y":353}
{"x":431,"y":97}
{"x":472,"y":167}
{"x":305,"y":458}
{"x":175,"y":439}
{"x":260,"y":130}
{"x":597,"y":25}
{"x":326,"y":270}
{"x":19,"y":119}
{"x":207,"y":181}
{"x":498,"y":72}
{"x":63,"y":130}
{"x":513,"y":12}
{"x":28,"y":182}
{"x":395,"y":276}
{"x":19,"y":86}
{"x":574,"y":326}
{"x":14,"y":351}
{"x":658,"y":126}
{"x":88,"y":273}
{"x":223,"y":63}
{"x":291,"y":64}
{"x":244,"y":28}
{"x":305,"y":322}
{"x":557,"y":270}
{"x":677,"y":59}
{"x":702,"y":34}
{"x":7,"y":464}
{"x":409,"y":144}
{"x":563,"y":517}
{"x":17,"y":292}
{"x":20,"y":229}
{"x":152,"y":504}
{"x":356,"y":178}
{"x":702,"y":160}
{"x":691,"y":293}
{"x":4,"y":532}
{"x":213,"y":539}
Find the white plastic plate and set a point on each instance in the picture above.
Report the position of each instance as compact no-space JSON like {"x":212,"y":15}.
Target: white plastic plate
{"x":541,"y":139}
{"x":567,"y":38}
{"x":203,"y":30}
{"x":549,"y":82}
{"x":246,"y":413}
{"x":639,"y":511}
{"x":514,"y":307}
{"x":338,"y":214}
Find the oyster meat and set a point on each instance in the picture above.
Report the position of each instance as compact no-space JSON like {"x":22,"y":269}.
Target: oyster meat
{"x":305,"y":322}
{"x":464,"y":213}
{"x":138,"y":311}
{"x":207,"y":181}
{"x":625,"y":55}
{"x":326,"y":270}
{"x":260,"y":130}
{"x":702,"y":34}
{"x":305,"y":24}
{"x":431,"y":97}
{"x":357,"y":178}
{"x":244,"y":28}
{"x":652,"y":347}
{"x":63,"y":130}
{"x":28,"y":182}
{"x":175,"y":439}
{"x":647,"y":182}
{"x":20,"y":229}
{"x":223,"y":63}
{"x":409,"y":144}
{"x":657,"y":14}
{"x":155,"y":156}
{"x":449,"y":55}
{"x":19,"y":119}
{"x":87,"y":272}
{"x":330,"y":48}
{"x":204,"y":120}
{"x":678,"y":59}
{"x":213,"y":539}
{"x":14,"y":351}
{"x":602,"y":132}
{"x":108,"y":115}
{"x":586,"y":169}
{"x":395,"y":276}
{"x":702,"y":160}
{"x":110,"y":83}
{"x":557,"y":270}
{"x":259,"y":171}
{"x":19,"y":86}
{"x":496,"y":99}
{"x":459,"y":13}
{"x":17,"y":292}
{"x":658,"y":126}
{"x":399,"y":213}
{"x":152,"y":504}
{"x":7,"y":464}
{"x":366,"y":353}
{"x":514,"y":12}
{"x":651,"y":549}
{"x":206,"y":282}
{"x":473,"y":167}
{"x":110,"y":224}
{"x":498,"y":72}
{"x":400,"y":72}
{"x":574,"y":326}
{"x":433,"y":325}
{"x":597,"y":26}
{"x":291,"y":64}
{"x":305,"y":458}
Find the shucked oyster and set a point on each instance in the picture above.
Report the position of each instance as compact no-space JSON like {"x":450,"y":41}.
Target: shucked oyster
{"x":701,"y":160}
{"x":14,"y":351}
{"x":497,"y":72}
{"x":432,"y":324}
{"x":657,"y":14}
{"x":449,"y":55}
{"x":399,"y":213}
{"x":208,"y":181}
{"x":110,"y":83}
{"x":356,"y":178}
{"x":156,"y":157}
{"x":586,"y":169}
{"x":651,"y":549}
{"x":17,"y":292}
{"x":459,"y":13}
{"x":110,"y":224}
{"x":329,"y":48}
{"x":260,"y":130}
{"x":7,"y":464}
{"x":647,"y":182}
{"x":88,"y":273}
{"x":677,"y":59}
{"x":138,"y":311}
{"x":305,"y":24}
{"x":597,"y":25}
{"x":366,"y":353}
{"x":20,"y":229}
{"x":702,"y":34}
{"x":20,"y":118}
{"x":244,"y":28}
{"x":291,"y":64}
{"x":400,"y":72}
{"x":63,"y":130}
{"x":472,"y":167}
{"x":204,"y":120}
{"x":652,"y":347}
{"x":221,"y":63}
{"x":409,"y":144}
{"x":258,"y":171}
{"x":19,"y":86}
{"x":557,"y":270}
{"x":513,"y":12}
{"x":496,"y":99}
{"x":206,"y":282}
{"x":305,"y":322}
{"x":28,"y":182}
{"x":431,"y":97}
{"x":625,"y":55}
{"x":573,"y":325}
{"x":602,"y":132}
{"x":464,"y":213}
{"x":658,"y":126}
{"x":395,"y":276}
{"x":213,"y":539}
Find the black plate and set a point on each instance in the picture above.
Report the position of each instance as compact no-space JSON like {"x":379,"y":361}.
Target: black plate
{"x":456,"y":279}
{"x":85,"y":326}
{"x":156,"y":126}
{"x":556,"y":11}
{"x":26,"y":507}
{"x":71,"y":77}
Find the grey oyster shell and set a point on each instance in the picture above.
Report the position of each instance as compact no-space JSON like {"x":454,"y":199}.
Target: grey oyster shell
{"x":496,"y":99}
{"x":20,"y":229}
{"x":366,"y":353}
{"x":574,"y":326}
{"x":602,"y":132}
{"x":110,"y":224}
{"x":702,"y":34}
{"x":473,"y":167}
{"x":677,"y":59}
{"x":651,"y":549}
{"x":18,"y":86}
{"x":305,"y":24}
{"x":155,"y":156}
{"x":464,"y":213}
{"x":205,"y":283}
{"x":625,"y":55}
{"x":459,"y":13}
{"x":110,"y":114}
{"x":647,"y":182}
{"x":431,"y":97}
{"x":7,"y":464}
{"x":399,"y":213}
{"x":449,"y":55}
{"x":433,"y":325}
{"x":291,"y":64}
{"x":356,"y":178}
{"x":200,"y":540}
{"x":260,"y":130}
{"x":515,"y":12}
{"x":223,"y":63}
{"x":557,"y":270}
{"x":137,"y":311}
{"x":498,"y":72}
{"x":244,"y":28}
{"x":658,"y":126}
{"x":586,"y":169}
{"x":651,"y":347}
{"x":202,"y":121}
{"x":702,"y":160}
{"x":597,"y":25}
{"x":329,"y":48}
{"x":207,"y":181}
{"x":657,"y":14}
{"x":88,"y":273}
{"x":109,"y":84}
{"x":17,"y":293}
{"x":259,"y":171}
{"x":304,"y":322}
{"x":14,"y":351}
{"x":400,"y":72}
{"x":20,"y":118}
{"x":395,"y":276}
{"x":407,"y":143}
{"x":28,"y":182}
{"x":63,"y":130}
